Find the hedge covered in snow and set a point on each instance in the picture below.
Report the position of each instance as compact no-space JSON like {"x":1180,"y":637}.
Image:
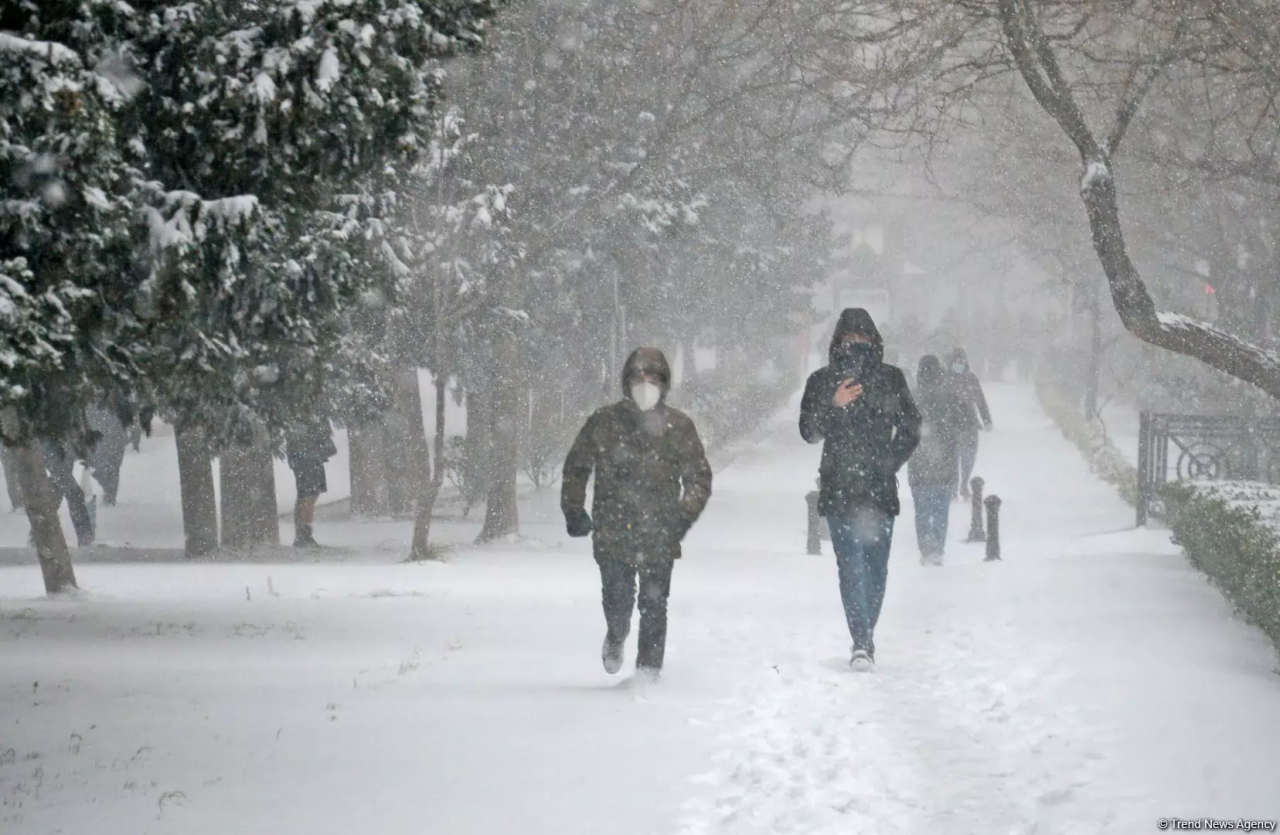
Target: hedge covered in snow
{"x":1107,"y":462}
{"x":1228,"y":530}
{"x":1231,"y":532}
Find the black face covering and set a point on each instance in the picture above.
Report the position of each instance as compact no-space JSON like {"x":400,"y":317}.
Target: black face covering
{"x":853,"y":359}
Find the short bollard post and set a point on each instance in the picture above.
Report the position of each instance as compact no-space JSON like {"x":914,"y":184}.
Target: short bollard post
{"x":975,"y":527}
{"x":993,"y":528}
{"x":815,"y":523}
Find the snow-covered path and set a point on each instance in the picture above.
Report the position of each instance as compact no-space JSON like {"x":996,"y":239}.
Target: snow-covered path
{"x":1091,"y":682}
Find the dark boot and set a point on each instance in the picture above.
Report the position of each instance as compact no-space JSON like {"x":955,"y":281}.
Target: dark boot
{"x":302,"y":538}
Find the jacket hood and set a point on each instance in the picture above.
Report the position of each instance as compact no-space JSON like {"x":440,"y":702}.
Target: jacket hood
{"x":856,"y":320}
{"x":957,"y":355}
{"x":930,"y":372}
{"x":646,"y":361}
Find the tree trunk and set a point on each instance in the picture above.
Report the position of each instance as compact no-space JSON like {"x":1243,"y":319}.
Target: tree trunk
{"x":199,"y":502}
{"x":431,"y":491}
{"x":1093,"y":376}
{"x":46,"y":529}
{"x":501,"y":515}
{"x":250,"y":514}
{"x":689,"y":365}
{"x":476,"y":449}
{"x":407,"y":456}
{"x":370,"y":495}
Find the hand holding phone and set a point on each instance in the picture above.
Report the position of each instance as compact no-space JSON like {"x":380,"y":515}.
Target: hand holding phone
{"x":847,"y":392}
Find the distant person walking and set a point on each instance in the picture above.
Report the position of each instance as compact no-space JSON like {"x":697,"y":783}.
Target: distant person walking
{"x":9,"y":463}
{"x":862,"y":410}
{"x":976,"y":416}
{"x":652,"y":481}
{"x":933,"y":467}
{"x":308,"y":448}
{"x":60,"y":462}
{"x":107,"y":457}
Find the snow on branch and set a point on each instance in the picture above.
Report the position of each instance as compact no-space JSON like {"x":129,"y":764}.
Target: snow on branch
{"x":1095,"y":173}
{"x":53,"y":53}
{"x":183,"y":219}
{"x":36,"y":329}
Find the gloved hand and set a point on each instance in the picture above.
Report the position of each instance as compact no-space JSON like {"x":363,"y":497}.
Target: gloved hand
{"x":577,"y":522}
{"x":988,"y":426}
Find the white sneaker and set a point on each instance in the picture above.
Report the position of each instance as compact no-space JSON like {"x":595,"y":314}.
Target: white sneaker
{"x":861,"y":661}
{"x":612,"y":656}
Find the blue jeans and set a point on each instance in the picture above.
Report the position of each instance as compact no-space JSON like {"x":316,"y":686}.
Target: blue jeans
{"x":933,"y":509}
{"x":862,"y":543}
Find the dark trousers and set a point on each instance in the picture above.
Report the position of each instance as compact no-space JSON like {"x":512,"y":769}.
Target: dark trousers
{"x":9,"y":461}
{"x":968,"y":457}
{"x":107,"y":459}
{"x":933,"y":509}
{"x":61,"y":467}
{"x":862,"y":544}
{"x":618,"y":581}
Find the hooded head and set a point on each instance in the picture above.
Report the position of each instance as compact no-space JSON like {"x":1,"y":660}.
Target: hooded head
{"x":856,"y":345}
{"x":646,"y":365}
{"x":958,"y":360}
{"x":856,"y":321}
{"x":930,"y":372}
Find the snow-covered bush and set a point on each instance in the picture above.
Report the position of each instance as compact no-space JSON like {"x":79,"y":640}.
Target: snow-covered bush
{"x":545,"y":446}
{"x":465,"y":472}
{"x":1231,"y":532}
{"x":1104,"y":460}
{"x":726,"y":408}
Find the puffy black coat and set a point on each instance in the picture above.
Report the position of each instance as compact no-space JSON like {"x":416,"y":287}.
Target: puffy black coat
{"x":652,"y":477}
{"x":310,"y":444}
{"x":866,"y":443}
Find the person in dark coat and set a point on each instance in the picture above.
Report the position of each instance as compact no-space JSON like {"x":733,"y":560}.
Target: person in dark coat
{"x":9,"y":462}
{"x":976,"y":416}
{"x":60,"y":462}
{"x":308,"y":448}
{"x":652,"y":481}
{"x":107,"y":456}
{"x":863,"y":412}
{"x":932,"y":469}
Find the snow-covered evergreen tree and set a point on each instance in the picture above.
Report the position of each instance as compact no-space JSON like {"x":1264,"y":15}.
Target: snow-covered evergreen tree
{"x":270,"y":129}
{"x":65,"y":233}
{"x":66,"y":241}
{"x":247,"y":142}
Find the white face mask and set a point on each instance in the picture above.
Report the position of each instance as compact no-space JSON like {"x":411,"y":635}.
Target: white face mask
{"x":958,"y":367}
{"x":646,"y":395}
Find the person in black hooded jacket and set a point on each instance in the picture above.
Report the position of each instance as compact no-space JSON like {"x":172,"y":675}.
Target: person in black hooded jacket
{"x":862,"y":410}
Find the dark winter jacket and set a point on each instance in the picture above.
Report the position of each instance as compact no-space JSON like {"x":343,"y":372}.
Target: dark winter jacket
{"x":968,"y":390}
{"x":866,"y":443}
{"x":310,"y":444}
{"x":936,"y":460}
{"x":652,"y":478}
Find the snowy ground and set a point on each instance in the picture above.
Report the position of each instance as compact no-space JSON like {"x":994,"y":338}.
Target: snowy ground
{"x":1090,"y":683}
